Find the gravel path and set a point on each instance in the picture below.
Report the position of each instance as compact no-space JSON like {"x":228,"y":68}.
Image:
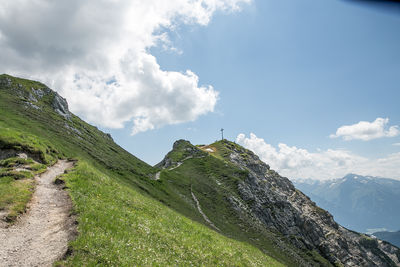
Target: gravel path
{"x":40,"y":237}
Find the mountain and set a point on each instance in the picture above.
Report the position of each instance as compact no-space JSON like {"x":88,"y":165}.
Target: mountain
{"x":392,"y":237}
{"x":361,"y":203}
{"x":260,"y":198}
{"x":215,"y":204}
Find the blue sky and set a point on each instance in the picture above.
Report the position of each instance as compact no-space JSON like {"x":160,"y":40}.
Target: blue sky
{"x":290,"y":72}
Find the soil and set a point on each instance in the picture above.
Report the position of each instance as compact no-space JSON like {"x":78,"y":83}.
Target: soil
{"x":40,"y":237}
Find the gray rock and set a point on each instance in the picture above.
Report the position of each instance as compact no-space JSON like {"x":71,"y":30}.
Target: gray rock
{"x":73,"y":129}
{"x":22,"y":155}
{"x":278,"y":205}
{"x":186,"y":149}
{"x":32,"y":98}
{"x":60,"y":105}
{"x":38,"y":92}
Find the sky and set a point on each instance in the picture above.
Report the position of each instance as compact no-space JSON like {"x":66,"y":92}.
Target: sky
{"x":312,"y":87}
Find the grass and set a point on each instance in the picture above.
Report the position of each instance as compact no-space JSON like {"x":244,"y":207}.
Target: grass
{"x":16,"y":186}
{"x":182,"y":150}
{"x":119,"y":226}
{"x":214,"y":181}
{"x":22,"y":141}
{"x":14,"y":195}
{"x":224,"y":148}
{"x":15,"y":161}
{"x":122,"y":218}
{"x":125,"y":218}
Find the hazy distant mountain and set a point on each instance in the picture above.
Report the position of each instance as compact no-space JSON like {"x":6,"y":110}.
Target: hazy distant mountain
{"x":392,"y":237}
{"x":360,"y":203}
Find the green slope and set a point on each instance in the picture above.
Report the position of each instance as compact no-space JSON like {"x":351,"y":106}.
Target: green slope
{"x":123,"y":215}
{"x":214,"y":181}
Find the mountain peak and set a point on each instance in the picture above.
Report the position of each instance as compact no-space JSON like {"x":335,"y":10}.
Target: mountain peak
{"x":181,"y":150}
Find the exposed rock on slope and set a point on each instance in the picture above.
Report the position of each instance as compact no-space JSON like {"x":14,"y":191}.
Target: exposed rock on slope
{"x":279,"y":205}
{"x":181,"y":151}
{"x":272,"y":201}
{"x":35,"y":96}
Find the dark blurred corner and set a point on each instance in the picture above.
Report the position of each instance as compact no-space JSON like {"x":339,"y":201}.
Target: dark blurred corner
{"x":391,"y":6}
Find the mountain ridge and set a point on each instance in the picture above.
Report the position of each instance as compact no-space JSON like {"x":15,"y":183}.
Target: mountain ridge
{"x":273,"y":201}
{"x":259,"y":216}
{"x":359,"y":202}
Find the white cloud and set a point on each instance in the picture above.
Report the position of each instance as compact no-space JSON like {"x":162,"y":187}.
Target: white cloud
{"x":96,"y":54}
{"x":396,"y":144}
{"x":295,"y":162}
{"x":365,"y":130}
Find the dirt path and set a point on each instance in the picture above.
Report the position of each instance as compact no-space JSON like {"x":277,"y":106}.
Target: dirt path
{"x":201,"y":211}
{"x":157,"y":177}
{"x":41,"y":235}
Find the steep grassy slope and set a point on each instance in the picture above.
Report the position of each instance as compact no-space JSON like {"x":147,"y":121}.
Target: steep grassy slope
{"x":230,"y":189}
{"x":206,"y":205}
{"x":121,"y":227}
{"x":119,"y":222}
{"x":16,"y":185}
{"x":214,"y":181}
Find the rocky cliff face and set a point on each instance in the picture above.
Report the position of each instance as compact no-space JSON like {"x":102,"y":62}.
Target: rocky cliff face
{"x":266,"y":201}
{"x":279,"y":205}
{"x":35,"y":95}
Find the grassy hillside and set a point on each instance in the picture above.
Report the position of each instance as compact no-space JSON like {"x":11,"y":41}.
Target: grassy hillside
{"x":123,"y":215}
{"x":214,"y":181}
{"x":120,"y":226}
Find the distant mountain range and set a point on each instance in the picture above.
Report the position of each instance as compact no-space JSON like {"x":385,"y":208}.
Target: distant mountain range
{"x":392,"y":237}
{"x":361,"y":203}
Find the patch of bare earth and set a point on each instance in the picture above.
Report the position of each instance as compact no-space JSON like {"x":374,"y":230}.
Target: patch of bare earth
{"x":40,"y":237}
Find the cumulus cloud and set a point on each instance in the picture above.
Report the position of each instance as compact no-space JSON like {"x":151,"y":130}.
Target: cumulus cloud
{"x":365,"y":130}
{"x":396,"y":144}
{"x":96,"y":54}
{"x":295,"y":162}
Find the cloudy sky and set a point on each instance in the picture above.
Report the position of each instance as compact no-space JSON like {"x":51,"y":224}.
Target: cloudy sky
{"x":311,"y":86}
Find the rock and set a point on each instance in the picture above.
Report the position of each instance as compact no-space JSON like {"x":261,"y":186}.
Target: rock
{"x":22,"y":155}
{"x":109,"y":136}
{"x":32,"y":95}
{"x":60,"y":105}
{"x":6,"y":153}
{"x":38,"y":92}
{"x":73,"y":129}
{"x":29,"y":104}
{"x":278,"y":205}
{"x":181,"y":151}
{"x":32,"y":98}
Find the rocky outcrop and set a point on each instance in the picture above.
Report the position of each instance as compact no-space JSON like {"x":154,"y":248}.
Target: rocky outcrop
{"x":280,"y":206}
{"x":36,"y":93}
{"x":6,"y":153}
{"x":181,"y":151}
{"x":60,"y":105}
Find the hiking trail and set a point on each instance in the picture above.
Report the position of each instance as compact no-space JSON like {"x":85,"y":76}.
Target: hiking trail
{"x":40,"y":236}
